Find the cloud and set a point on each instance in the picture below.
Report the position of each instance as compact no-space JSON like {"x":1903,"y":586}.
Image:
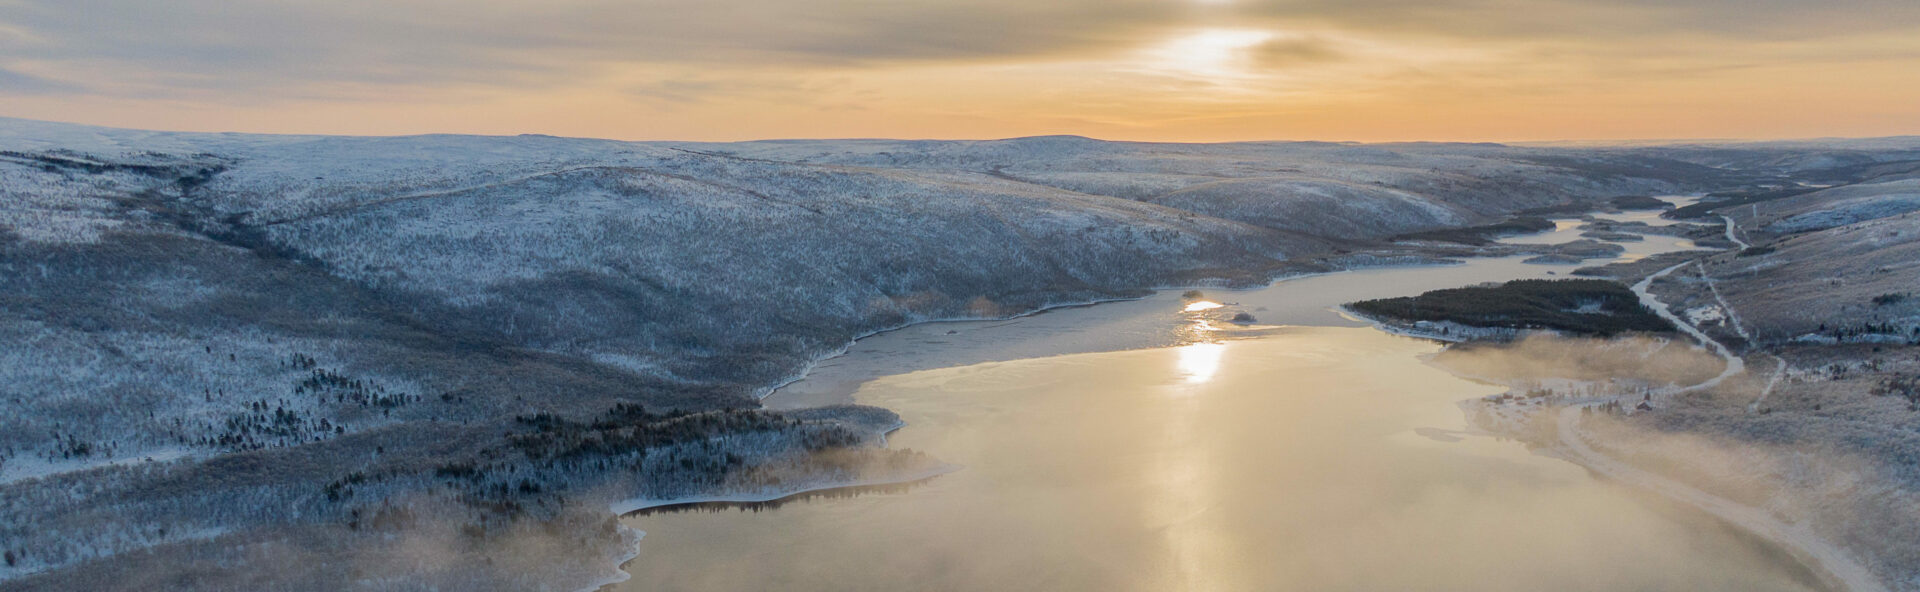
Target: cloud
{"x":258,"y":45}
{"x":754,"y":68}
{"x":1614,"y":21}
{"x":347,"y":48}
{"x":1296,"y":51}
{"x":16,"y":83}
{"x":692,"y":88}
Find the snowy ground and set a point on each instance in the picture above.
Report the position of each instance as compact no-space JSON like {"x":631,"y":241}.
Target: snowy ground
{"x":1811,"y":451}
{"x":333,"y":336}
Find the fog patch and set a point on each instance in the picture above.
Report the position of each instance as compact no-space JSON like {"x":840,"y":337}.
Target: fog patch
{"x":1540,"y":358}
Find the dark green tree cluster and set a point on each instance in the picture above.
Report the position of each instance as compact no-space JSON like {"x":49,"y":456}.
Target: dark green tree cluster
{"x":1579,"y":306}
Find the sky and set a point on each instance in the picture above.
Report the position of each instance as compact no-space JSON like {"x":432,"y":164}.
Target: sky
{"x":1162,"y":70}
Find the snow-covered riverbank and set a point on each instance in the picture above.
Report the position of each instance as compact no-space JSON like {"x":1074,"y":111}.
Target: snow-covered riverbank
{"x":1833,"y":562}
{"x":1161,"y":320}
{"x":1118,"y":454}
{"x":1837,"y":565}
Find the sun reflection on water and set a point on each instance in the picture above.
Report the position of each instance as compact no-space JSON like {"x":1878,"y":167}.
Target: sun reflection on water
{"x":1200,"y":305}
{"x":1199,"y":361}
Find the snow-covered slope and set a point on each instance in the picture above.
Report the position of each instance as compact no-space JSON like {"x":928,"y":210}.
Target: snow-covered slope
{"x":1840,"y":206}
{"x":1314,"y":205}
{"x":1837,"y":262}
{"x":1485,"y":178}
{"x":1843,"y":280}
{"x":291,"y":315}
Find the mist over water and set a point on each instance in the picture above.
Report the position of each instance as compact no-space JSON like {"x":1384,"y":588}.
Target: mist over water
{"x":1304,"y":451}
{"x":1313,"y":458}
{"x":1544,"y":360}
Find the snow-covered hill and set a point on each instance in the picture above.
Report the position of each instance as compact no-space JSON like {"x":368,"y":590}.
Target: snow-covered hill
{"x":282,"y":321}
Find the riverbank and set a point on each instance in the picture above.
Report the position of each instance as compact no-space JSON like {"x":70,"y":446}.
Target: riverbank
{"x":630,"y":506}
{"x":1194,"y":328}
{"x":1834,"y":563}
{"x":1149,"y":467}
{"x":632,"y":537}
{"x":1519,"y":417}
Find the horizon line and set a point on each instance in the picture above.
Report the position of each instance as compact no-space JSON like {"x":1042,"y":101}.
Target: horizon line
{"x":1589,"y":141}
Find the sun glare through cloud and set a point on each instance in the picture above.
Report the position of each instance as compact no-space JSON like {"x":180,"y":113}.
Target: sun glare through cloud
{"x":821,"y":295}
{"x":1199,"y":70}
{"x":1220,"y":56}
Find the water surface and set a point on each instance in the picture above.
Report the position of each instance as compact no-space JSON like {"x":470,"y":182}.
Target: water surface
{"x":1305,"y":451}
{"x":1314,"y":458}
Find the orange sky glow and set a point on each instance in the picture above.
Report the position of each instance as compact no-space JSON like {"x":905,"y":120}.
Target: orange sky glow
{"x":1165,"y":70}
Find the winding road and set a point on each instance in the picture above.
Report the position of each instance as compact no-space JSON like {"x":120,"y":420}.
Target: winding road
{"x":1735,"y":365}
{"x":1815,"y":551}
{"x":1732,"y":236}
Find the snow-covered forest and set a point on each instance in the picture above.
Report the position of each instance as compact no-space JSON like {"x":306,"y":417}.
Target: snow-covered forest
{"x":218,"y":340}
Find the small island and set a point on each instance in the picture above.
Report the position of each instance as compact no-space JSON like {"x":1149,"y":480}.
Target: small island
{"x":1573,"y":306}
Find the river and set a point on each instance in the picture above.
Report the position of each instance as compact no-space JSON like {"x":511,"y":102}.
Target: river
{"x":1300,"y":451}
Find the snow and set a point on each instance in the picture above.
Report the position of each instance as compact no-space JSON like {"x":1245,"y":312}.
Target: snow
{"x":50,"y":207}
{"x":1832,"y":561}
{"x":1799,"y":538}
{"x":1735,"y":365}
{"x":23,"y":468}
{"x":768,"y":494}
{"x":135,"y":394}
{"x":1849,"y":211}
{"x":137,"y":326}
{"x":1704,"y":315}
{"x":631,"y":539}
{"x":1317,"y":206}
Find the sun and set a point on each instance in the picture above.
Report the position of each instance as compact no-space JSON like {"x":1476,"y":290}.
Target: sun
{"x":1211,"y":53}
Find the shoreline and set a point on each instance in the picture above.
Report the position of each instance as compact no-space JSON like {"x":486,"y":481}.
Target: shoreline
{"x":808,"y":371}
{"x":620,"y":573}
{"x":639,"y":506}
{"x":1204,"y":283}
{"x":629,"y":506}
{"x":1830,"y":563}
{"x":1833,"y":563}
{"x":848,"y":346}
{"x":1836,"y":563}
{"x":1406,"y":330}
